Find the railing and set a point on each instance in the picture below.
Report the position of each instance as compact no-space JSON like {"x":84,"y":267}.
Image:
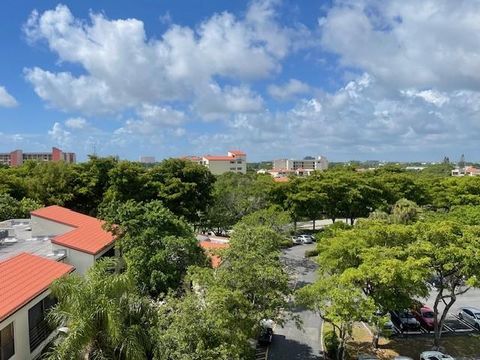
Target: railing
{"x":39,"y":333}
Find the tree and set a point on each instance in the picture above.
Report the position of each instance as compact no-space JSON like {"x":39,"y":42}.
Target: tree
{"x":450,"y":253}
{"x":405,"y":212}
{"x":338,"y":304}
{"x":273,"y":217}
{"x":158,"y":247}
{"x":307,"y":200}
{"x":183,"y":186}
{"x":11,"y":208}
{"x":105,"y":316}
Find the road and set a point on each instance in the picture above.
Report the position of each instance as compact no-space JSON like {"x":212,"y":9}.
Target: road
{"x":289,"y":342}
{"x":470,"y":298}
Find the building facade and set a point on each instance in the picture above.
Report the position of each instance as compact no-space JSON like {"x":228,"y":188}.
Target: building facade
{"x":17,"y":157}
{"x":308,"y":163}
{"x":234,"y":161}
{"x":53,"y":243}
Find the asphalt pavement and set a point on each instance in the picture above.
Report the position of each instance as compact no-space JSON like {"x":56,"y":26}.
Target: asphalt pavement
{"x":290,"y":342}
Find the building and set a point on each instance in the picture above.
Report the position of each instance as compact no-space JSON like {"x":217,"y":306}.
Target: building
{"x":466,"y":171}
{"x":234,"y":161}
{"x":33,"y":253}
{"x":308,"y":163}
{"x":17,"y":157}
{"x":147,"y":159}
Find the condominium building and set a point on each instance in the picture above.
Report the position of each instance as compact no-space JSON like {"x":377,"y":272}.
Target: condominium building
{"x":34,"y":253}
{"x":17,"y":157}
{"x":307,"y":163}
{"x":234,"y":161}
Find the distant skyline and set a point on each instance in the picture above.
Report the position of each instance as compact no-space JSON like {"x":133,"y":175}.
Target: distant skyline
{"x":349,"y":79}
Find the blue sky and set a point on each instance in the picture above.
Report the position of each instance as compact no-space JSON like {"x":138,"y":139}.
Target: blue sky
{"x":348,"y":79}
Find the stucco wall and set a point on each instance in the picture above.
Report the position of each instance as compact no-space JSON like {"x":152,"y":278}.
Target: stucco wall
{"x":21,"y":333}
{"x":44,"y":227}
{"x":80,"y":260}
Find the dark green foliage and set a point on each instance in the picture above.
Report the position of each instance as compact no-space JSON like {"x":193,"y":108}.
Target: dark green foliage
{"x":331,"y":342}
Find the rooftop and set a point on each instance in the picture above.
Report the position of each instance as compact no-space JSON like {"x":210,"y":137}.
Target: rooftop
{"x":19,"y":239}
{"x":208,"y":246}
{"x":24,"y":277}
{"x":88,"y":235}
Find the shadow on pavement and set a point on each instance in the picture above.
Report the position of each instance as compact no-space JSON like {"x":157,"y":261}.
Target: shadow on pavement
{"x":290,"y":350}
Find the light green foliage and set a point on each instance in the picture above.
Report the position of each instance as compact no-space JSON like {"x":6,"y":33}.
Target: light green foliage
{"x":273,"y":217}
{"x":127,"y":181}
{"x":338,"y":303}
{"x":105,"y":316}
{"x":11,"y":208}
{"x":405,"y":212}
{"x":157,"y":246}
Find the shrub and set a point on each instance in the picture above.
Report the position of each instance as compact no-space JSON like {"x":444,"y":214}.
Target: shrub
{"x":311,"y":253}
{"x":330,"y":340}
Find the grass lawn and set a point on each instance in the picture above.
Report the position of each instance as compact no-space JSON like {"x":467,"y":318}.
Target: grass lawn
{"x":467,"y":345}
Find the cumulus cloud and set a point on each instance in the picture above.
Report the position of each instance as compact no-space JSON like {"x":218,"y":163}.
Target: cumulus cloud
{"x":6,"y":100}
{"x":59,"y":135}
{"x":124,"y":68}
{"x":289,"y":90}
{"x":406,"y":43}
{"x":76,"y":123}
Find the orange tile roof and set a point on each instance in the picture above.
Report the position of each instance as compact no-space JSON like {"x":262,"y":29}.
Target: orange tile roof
{"x":208,"y":246}
{"x":24,"y":277}
{"x":237,"y":152}
{"x":219,"y":158}
{"x":281,"y":179}
{"x":88,"y":235}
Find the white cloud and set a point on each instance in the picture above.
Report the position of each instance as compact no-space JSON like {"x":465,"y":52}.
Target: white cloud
{"x":59,"y":135}
{"x":76,"y":123}
{"x":288,"y":90}
{"x":125,"y":69}
{"x":407,"y":43}
{"x":6,"y":100}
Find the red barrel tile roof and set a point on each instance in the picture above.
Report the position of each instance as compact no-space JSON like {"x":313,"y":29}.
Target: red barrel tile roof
{"x":24,"y":277}
{"x":88,"y":235}
{"x":208,"y":246}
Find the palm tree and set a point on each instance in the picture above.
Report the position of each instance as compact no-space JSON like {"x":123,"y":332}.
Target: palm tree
{"x":104,"y":316}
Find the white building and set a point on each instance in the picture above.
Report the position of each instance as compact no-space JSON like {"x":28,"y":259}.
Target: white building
{"x":33,"y":254}
{"x":308,"y":163}
{"x":147,"y":159}
{"x":235,"y":161}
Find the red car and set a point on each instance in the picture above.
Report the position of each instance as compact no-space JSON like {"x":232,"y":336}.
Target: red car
{"x":425,"y":317}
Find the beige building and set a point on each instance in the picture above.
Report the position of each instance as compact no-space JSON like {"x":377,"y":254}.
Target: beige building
{"x":234,"y":161}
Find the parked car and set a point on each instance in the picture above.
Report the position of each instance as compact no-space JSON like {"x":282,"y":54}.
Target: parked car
{"x":425,"y":316}
{"x":404,"y":320}
{"x":306,"y":239}
{"x":388,"y":329}
{"x":296,"y":240}
{"x":435,"y":355}
{"x":400,"y":357}
{"x":470,"y":315}
{"x":266,"y":336}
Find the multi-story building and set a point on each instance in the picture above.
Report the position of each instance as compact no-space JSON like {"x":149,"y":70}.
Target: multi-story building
{"x":235,"y":161}
{"x":17,"y":157}
{"x":33,"y":253}
{"x":307,"y":163}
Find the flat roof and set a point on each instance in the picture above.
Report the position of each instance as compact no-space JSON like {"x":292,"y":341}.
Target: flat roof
{"x":24,"y":277}
{"x":22,"y":241}
{"x":88,"y":235}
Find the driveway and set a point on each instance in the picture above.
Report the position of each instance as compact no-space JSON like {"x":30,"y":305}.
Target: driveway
{"x":289,"y":342}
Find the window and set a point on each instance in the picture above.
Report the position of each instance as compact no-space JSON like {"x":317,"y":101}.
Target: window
{"x":239,"y":168}
{"x":38,"y":326}
{"x":7,"y":344}
{"x":232,"y":168}
{"x":232,"y":162}
{"x":109,"y":253}
{"x":469,"y":313}
{"x":239,"y":161}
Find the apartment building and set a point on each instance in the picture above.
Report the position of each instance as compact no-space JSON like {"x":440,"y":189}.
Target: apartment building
{"x":17,"y":157}
{"x":234,"y":161}
{"x":33,"y":253}
{"x":307,"y":163}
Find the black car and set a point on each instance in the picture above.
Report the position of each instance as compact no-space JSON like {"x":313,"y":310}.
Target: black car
{"x":404,"y":320}
{"x":266,"y":336}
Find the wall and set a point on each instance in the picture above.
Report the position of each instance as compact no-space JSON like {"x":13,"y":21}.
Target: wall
{"x":80,"y":260}
{"x":21,"y":333}
{"x":44,"y":227}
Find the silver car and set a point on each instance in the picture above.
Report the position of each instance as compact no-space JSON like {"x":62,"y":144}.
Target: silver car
{"x":306,"y":239}
{"x":470,"y":315}
{"x":296,"y":240}
{"x":435,"y":355}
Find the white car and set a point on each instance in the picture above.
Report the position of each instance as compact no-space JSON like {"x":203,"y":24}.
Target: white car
{"x":470,"y":315}
{"x":296,"y":240}
{"x":435,"y":355}
{"x":306,"y":239}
